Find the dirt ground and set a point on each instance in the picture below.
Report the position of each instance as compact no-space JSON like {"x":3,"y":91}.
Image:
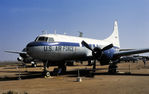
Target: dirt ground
{"x":132,"y":78}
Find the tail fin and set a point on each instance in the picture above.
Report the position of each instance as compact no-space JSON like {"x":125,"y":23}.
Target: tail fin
{"x":114,"y":38}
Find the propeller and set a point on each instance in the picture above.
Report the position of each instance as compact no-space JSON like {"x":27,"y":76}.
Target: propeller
{"x":107,"y":47}
{"x":97,"y":51}
{"x":86,"y":45}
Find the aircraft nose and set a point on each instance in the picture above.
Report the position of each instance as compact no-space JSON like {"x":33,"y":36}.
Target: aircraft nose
{"x":30,"y":44}
{"x":29,"y":48}
{"x":34,"y":49}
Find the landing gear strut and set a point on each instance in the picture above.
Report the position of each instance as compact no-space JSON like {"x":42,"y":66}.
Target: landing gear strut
{"x":94,"y":65}
{"x":46,"y":73}
{"x":112,"y":68}
{"x":62,"y":68}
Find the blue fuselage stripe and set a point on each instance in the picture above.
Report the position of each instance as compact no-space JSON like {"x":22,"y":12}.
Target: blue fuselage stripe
{"x":32,"y":44}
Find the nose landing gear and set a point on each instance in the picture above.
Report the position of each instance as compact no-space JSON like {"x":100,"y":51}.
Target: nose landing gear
{"x":46,"y":73}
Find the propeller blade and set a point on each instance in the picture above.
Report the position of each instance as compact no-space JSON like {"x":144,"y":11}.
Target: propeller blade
{"x":86,"y":45}
{"x":107,"y":47}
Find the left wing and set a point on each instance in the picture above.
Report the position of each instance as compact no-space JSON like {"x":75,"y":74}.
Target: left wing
{"x":16,"y":52}
{"x":130,"y":52}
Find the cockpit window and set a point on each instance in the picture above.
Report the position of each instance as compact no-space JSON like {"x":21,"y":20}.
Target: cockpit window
{"x":40,"y":39}
{"x":44,"y":39}
{"x":50,"y":40}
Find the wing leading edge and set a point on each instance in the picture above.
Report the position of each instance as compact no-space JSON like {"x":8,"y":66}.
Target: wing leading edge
{"x":131,"y":52}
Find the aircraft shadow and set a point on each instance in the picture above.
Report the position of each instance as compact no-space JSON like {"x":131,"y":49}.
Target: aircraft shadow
{"x":90,"y":73}
{"x":72,"y":73}
{"x":122,"y":74}
{"x":22,"y":76}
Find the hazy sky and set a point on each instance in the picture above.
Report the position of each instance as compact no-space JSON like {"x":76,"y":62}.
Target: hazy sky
{"x":22,"y":20}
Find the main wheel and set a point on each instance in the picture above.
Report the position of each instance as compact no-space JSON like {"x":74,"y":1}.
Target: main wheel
{"x":46,"y":74}
{"x":61,"y":69}
{"x":34,"y":65}
{"x":112,"y":69}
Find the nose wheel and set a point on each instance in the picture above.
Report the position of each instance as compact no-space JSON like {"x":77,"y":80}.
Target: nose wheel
{"x":46,"y":73}
{"x":34,"y":64}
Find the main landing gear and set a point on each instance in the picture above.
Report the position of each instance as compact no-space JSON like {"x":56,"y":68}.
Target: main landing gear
{"x":60,"y":70}
{"x":94,"y":66}
{"x":112,"y":68}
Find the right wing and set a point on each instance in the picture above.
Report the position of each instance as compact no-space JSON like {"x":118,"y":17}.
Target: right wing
{"x":130,"y":52}
{"x":126,"y":49}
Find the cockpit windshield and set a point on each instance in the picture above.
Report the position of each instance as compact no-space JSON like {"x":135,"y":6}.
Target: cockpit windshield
{"x":44,"y":39}
{"x":40,"y":39}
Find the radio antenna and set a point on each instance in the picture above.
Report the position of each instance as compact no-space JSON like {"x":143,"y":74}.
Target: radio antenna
{"x":55,"y":31}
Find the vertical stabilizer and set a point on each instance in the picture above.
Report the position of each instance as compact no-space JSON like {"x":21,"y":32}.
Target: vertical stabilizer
{"x":114,"y":38}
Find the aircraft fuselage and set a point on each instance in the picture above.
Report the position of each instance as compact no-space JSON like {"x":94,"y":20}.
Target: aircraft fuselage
{"x":62,"y":51}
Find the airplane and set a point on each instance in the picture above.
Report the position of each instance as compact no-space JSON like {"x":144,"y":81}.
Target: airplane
{"x":52,"y":48}
{"x":62,"y":49}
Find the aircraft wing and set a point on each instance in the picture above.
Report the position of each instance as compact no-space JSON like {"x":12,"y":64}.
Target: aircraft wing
{"x":126,"y":49}
{"x":130,"y":52}
{"x":16,"y":52}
